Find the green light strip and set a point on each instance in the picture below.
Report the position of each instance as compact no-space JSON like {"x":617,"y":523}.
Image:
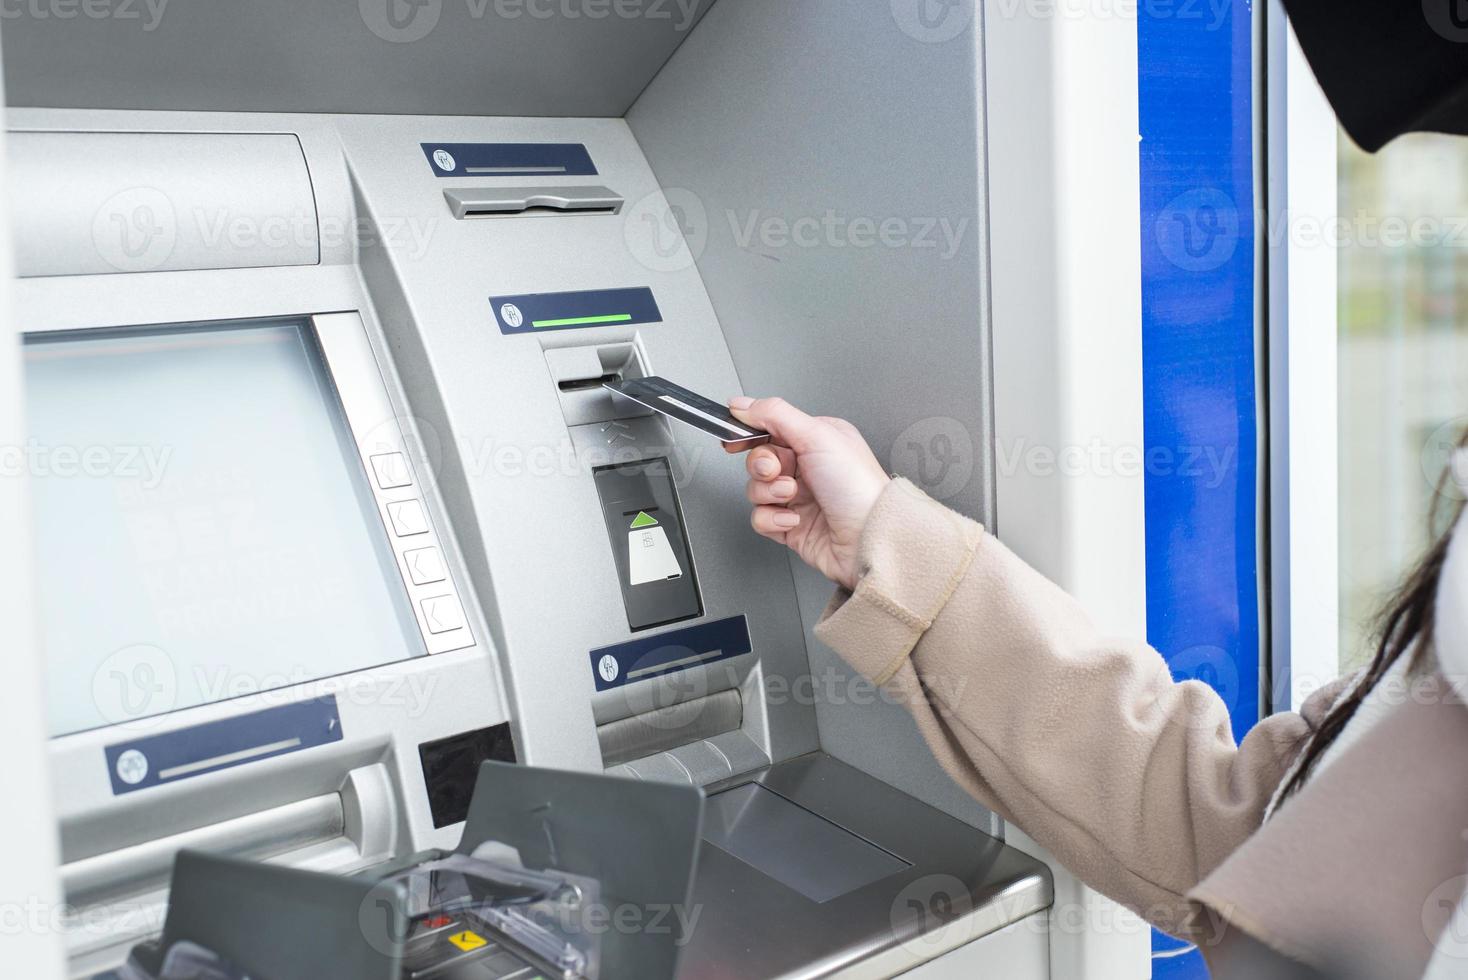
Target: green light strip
{"x":577,"y":321}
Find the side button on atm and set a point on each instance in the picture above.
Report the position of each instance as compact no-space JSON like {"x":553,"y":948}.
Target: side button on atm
{"x":443,"y":614}
{"x":407,"y":518}
{"x":391,"y":470}
{"x":425,"y":565}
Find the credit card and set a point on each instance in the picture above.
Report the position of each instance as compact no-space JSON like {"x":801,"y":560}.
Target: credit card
{"x":691,"y":408}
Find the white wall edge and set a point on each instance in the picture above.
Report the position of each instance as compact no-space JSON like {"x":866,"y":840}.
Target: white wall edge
{"x":1303,"y":323}
{"x":31,"y":908}
{"x":1064,"y":198}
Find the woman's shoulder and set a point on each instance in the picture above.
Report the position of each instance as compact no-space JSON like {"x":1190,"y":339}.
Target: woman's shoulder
{"x":1355,"y":862}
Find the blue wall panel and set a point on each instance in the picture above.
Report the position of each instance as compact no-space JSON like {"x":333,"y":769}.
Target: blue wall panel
{"x":1198,"y":349}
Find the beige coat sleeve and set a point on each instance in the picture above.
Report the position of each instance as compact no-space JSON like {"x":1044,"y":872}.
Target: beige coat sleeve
{"x":1083,"y":740}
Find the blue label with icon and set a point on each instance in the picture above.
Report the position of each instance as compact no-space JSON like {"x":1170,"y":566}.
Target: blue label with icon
{"x":509,"y":159}
{"x":667,"y":653}
{"x":539,"y":312}
{"x":187,"y":752}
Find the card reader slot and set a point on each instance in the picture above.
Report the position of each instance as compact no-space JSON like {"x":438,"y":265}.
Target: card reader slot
{"x":502,"y":202}
{"x":580,"y":372}
{"x":587,"y":384}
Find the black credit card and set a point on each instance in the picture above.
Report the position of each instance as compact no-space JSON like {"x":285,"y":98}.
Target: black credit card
{"x":675,"y":401}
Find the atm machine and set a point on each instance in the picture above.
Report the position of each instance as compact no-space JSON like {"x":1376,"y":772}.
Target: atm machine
{"x":330,"y":507}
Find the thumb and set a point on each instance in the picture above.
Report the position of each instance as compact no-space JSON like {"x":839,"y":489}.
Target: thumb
{"x":788,"y":424}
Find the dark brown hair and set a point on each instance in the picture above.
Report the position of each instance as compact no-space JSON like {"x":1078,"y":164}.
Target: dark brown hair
{"x":1404,"y":626}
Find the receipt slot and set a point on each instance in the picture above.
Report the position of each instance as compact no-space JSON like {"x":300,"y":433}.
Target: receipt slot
{"x":654,"y":565}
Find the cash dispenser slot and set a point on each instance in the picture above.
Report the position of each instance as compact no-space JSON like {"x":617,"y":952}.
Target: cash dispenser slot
{"x":505,"y":202}
{"x":669,"y":727}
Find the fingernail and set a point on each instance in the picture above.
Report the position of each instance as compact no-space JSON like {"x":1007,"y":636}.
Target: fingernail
{"x":784,"y":488}
{"x":766,"y":466}
{"x":740,"y":402}
{"x":787,"y":519}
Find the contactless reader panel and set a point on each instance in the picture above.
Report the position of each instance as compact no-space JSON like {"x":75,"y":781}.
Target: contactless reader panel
{"x":654,"y":564}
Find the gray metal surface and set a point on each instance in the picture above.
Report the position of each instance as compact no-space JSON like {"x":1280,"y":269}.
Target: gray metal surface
{"x":256,"y":835}
{"x":754,"y":926}
{"x":85,"y":203}
{"x":825,"y":159}
{"x":793,"y":845}
{"x":490,"y":57}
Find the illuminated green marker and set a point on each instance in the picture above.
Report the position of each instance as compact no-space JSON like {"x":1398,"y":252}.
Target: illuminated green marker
{"x":580,"y":321}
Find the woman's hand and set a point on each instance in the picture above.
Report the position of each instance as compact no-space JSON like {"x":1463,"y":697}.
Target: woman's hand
{"x":812,"y":485}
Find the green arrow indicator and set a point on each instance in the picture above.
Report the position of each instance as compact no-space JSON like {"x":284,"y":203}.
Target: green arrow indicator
{"x":643,"y":519}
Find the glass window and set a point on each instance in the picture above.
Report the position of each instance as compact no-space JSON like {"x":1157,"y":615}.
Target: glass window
{"x":204,"y":527}
{"x":1403,"y":384}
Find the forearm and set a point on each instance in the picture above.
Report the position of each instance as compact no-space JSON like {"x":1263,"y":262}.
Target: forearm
{"x":1131,"y":780}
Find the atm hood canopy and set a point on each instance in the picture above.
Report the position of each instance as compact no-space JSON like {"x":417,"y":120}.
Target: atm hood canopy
{"x":442,"y":57}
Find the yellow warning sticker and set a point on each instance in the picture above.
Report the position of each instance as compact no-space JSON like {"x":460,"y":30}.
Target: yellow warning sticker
{"x":468,"y":940}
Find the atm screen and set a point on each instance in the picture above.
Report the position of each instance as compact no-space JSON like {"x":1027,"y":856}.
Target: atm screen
{"x":204,"y":528}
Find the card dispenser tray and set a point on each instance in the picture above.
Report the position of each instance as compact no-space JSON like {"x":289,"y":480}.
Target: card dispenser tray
{"x":509,"y":202}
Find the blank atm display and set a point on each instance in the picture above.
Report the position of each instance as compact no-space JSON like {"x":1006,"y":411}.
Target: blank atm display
{"x":204,"y":529}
